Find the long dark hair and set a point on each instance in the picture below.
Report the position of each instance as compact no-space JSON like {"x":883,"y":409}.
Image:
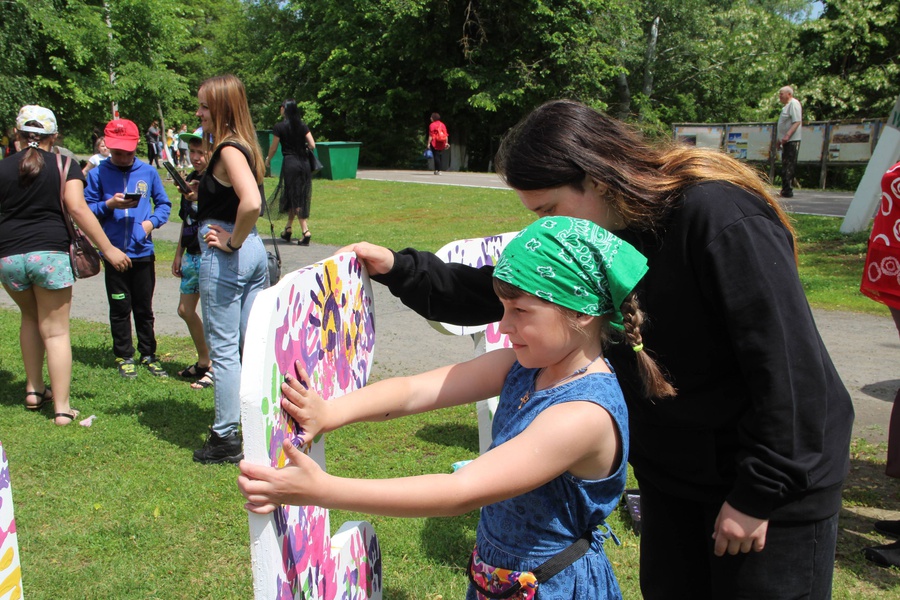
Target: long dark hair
{"x":292,"y":116}
{"x":561,"y":142}
{"x":33,"y":161}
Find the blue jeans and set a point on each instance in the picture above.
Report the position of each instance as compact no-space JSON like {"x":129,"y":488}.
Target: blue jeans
{"x":229,"y":283}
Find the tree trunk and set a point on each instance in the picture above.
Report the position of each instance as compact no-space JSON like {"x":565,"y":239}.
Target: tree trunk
{"x":624,"y":91}
{"x":650,"y":58}
{"x":624,"y":97}
{"x":162,"y":133}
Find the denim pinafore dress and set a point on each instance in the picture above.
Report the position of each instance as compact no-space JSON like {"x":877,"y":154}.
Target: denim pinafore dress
{"x":525,"y":531}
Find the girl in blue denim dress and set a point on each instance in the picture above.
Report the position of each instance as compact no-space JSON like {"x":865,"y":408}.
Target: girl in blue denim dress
{"x":557,"y":466}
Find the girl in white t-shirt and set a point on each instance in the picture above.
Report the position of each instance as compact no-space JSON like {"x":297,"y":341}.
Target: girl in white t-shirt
{"x":101,"y":152}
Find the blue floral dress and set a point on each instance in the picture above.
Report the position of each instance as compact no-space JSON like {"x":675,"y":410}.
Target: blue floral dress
{"x":525,"y":531}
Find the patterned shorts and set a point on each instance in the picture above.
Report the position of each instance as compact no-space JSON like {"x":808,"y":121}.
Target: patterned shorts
{"x":190,"y":273}
{"x":49,"y":270}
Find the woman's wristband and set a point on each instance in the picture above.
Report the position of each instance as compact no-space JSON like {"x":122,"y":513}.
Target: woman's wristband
{"x":230,"y":247}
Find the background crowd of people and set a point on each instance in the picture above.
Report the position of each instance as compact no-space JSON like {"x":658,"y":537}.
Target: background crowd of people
{"x":116,"y":196}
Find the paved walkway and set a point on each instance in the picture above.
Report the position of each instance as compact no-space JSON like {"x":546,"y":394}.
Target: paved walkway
{"x":865,"y":348}
{"x":811,"y":201}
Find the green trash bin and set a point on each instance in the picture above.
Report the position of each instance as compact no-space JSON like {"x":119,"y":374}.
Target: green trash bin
{"x":264,"y":137}
{"x":339,"y":159}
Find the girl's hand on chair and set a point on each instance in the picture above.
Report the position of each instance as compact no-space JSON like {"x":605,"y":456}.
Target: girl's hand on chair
{"x":266,"y":488}
{"x":304,"y":404}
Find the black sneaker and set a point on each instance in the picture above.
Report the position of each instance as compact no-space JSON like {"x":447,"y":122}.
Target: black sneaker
{"x":220,"y":449}
{"x":889,"y":528}
{"x":125,"y":367}
{"x":884,"y":556}
{"x":153,"y":365}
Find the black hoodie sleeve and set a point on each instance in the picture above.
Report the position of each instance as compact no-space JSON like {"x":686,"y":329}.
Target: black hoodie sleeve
{"x":793,"y":435}
{"x":446,"y":292}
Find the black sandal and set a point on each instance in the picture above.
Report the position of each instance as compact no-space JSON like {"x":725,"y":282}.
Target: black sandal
{"x":204,"y":382}
{"x":194,"y":371}
{"x":286,"y":235}
{"x":44,"y":399}
{"x":306,"y":237}
{"x":70,"y":416}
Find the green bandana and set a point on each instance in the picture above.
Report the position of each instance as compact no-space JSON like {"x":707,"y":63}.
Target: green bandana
{"x":573,"y":263}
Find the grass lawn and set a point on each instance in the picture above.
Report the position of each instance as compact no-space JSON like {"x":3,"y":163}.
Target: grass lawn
{"x":120,"y":511}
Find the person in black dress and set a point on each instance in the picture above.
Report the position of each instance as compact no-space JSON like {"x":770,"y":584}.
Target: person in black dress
{"x":294,"y":192}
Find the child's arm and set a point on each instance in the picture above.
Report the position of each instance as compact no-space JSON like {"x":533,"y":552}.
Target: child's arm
{"x":87,"y":222}
{"x":162,"y":206}
{"x":578,"y":437}
{"x":179,"y":251}
{"x":462,"y":383}
{"x":93,"y":195}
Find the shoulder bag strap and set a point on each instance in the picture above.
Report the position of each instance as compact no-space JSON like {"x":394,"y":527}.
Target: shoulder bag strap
{"x":565,"y":558}
{"x":63,"y":171}
{"x":272,"y":231}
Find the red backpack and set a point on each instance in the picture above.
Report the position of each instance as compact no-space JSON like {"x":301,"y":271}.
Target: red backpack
{"x":439,"y":137}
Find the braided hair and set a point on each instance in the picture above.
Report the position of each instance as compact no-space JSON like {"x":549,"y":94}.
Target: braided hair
{"x":654,"y":381}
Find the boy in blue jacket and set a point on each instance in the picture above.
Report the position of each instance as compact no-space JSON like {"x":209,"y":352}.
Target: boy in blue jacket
{"x":119,"y":192}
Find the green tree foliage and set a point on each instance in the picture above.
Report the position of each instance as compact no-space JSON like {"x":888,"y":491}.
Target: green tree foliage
{"x":61,"y":54}
{"x":15,"y":39}
{"x":850,"y":64}
{"x":514,"y":55}
{"x":374,"y":70}
{"x":47,"y":49}
{"x":707,"y":60}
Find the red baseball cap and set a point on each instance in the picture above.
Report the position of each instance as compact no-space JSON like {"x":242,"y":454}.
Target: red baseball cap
{"x":121,"y":134}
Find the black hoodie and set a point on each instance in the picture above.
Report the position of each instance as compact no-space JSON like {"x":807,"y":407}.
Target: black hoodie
{"x":761,"y":418}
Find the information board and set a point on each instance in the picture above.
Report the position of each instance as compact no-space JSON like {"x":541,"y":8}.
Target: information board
{"x":749,"y":142}
{"x":702,"y":136}
{"x":851,"y":142}
{"x":812,"y":142}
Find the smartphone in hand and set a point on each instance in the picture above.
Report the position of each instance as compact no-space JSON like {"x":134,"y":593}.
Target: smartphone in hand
{"x":180,"y":183}
{"x":133,"y":197}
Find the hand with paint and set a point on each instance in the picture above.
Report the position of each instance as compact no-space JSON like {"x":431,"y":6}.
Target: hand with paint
{"x":300,"y":482}
{"x":304,"y":405}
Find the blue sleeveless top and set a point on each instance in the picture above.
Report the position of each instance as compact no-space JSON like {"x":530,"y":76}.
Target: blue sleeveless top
{"x":525,"y":531}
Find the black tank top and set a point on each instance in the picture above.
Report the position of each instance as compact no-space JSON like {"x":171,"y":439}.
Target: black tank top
{"x":217,"y":201}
